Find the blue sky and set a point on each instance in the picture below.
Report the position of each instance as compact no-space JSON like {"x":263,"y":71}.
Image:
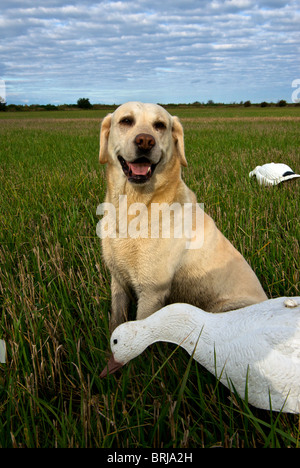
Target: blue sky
{"x":57,"y":51}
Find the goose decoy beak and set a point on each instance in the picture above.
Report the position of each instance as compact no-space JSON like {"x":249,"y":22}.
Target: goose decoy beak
{"x":111,"y":367}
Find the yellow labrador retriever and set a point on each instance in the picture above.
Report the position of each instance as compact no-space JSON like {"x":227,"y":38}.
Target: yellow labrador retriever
{"x":143,"y":147}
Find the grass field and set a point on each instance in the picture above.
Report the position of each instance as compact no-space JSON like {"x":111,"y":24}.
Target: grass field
{"x":55,"y":289}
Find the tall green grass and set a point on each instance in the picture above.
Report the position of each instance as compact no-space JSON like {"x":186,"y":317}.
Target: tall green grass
{"x":55,"y":289}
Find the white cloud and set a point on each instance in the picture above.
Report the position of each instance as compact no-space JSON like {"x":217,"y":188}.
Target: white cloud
{"x":169,"y":51}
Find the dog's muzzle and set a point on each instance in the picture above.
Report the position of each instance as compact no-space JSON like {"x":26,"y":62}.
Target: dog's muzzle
{"x":139,"y":171}
{"x":142,"y":169}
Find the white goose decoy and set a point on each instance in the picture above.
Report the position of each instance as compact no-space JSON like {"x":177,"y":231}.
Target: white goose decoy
{"x":273,"y":173}
{"x":256,"y":348}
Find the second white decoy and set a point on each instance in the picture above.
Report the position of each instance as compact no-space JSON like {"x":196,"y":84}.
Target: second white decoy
{"x":255,"y":349}
{"x":273,"y":174}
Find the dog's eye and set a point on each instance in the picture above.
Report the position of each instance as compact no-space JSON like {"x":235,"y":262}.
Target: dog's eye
{"x":115,"y":341}
{"x":127,"y":121}
{"x":159,"y":126}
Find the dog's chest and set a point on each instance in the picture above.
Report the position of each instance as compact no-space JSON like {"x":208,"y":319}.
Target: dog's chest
{"x":128,"y":260}
{"x":141,"y":264}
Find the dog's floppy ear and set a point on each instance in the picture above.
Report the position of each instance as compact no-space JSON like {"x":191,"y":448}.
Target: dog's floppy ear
{"x":177,"y":131}
{"x":104,"y":134}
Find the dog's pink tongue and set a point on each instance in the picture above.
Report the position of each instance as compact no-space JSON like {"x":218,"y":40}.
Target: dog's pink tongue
{"x":139,"y":168}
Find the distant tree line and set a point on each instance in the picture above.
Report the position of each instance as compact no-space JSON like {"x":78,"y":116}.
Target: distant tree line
{"x":85,"y":104}
{"x":81,"y":104}
{"x":281,"y":103}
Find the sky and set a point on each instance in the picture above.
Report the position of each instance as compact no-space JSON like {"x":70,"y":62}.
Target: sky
{"x":162,"y":51}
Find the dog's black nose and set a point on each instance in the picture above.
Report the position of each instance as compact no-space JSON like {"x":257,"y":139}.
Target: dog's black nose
{"x":144,"y":141}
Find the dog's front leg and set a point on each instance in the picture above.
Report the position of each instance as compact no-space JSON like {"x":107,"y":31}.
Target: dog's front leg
{"x":151,"y":301}
{"x":119,"y":304}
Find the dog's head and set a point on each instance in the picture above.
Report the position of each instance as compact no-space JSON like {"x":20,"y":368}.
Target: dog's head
{"x":139,"y":139}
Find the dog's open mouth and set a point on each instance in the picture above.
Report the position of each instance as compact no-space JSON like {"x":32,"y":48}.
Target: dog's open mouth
{"x":139,"y":171}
